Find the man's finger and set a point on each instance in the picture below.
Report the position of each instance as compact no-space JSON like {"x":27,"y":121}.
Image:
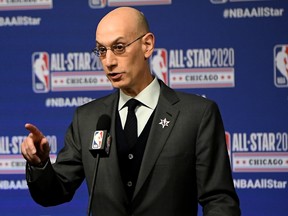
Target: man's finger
{"x":37,"y":134}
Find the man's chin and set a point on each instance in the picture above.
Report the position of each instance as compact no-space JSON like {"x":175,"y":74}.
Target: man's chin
{"x":118,"y":84}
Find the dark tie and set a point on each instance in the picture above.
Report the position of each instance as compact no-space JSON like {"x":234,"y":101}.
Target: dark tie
{"x":130,"y":127}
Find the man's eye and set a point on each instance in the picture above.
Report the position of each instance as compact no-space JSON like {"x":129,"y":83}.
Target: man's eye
{"x":102,"y":49}
{"x":118,"y":47}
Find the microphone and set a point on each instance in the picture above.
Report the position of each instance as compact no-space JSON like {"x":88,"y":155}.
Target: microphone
{"x":100,"y":146}
{"x":101,"y":139}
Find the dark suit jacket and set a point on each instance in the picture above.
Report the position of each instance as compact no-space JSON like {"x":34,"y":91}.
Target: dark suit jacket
{"x":184,"y":163}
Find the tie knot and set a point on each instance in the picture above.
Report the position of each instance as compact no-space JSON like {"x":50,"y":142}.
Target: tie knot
{"x":132,"y":103}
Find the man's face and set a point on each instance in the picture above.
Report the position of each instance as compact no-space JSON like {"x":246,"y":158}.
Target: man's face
{"x":124,"y":70}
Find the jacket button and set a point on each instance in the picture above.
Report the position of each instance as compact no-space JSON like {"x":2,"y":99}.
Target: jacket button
{"x":130,"y":156}
{"x":129,"y":183}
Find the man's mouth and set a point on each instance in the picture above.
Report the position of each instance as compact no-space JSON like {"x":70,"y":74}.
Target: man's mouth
{"x":115,"y":76}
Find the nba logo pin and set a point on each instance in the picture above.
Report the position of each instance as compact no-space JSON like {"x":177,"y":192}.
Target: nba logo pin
{"x":40,"y":72}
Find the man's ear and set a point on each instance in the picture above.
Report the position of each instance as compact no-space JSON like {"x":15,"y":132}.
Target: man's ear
{"x":148,"y":44}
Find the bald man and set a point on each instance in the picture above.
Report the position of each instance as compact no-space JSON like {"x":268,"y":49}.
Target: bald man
{"x":179,"y":157}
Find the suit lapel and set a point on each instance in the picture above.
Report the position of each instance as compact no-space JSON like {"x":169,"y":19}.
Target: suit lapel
{"x":159,"y":133}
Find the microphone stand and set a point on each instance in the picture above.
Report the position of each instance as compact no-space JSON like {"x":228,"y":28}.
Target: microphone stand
{"x":93,"y":184}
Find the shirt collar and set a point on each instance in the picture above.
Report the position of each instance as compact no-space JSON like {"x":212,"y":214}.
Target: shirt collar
{"x":148,"y":96}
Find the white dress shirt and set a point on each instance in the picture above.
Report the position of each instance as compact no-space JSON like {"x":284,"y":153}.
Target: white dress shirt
{"x":149,"y":99}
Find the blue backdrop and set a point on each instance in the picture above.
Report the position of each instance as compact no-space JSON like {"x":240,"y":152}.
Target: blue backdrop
{"x":232,"y":51}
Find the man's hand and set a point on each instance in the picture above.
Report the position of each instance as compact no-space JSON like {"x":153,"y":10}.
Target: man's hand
{"x":35,"y":147}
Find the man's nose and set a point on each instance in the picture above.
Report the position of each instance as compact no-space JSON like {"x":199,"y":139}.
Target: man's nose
{"x":110,"y":58}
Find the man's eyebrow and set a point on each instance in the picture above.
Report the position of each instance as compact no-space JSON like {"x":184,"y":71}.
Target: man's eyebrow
{"x":113,"y":42}
{"x":97,"y":43}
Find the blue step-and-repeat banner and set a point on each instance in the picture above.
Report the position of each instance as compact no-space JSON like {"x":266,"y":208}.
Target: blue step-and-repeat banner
{"x":234,"y":52}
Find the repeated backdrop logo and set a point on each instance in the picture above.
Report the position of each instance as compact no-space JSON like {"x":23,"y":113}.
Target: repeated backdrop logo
{"x":281,"y":66}
{"x":259,"y":152}
{"x":256,"y":152}
{"x":195,"y":68}
{"x":75,"y":71}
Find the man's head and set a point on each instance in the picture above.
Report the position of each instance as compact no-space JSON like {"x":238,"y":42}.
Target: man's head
{"x":127,"y":69}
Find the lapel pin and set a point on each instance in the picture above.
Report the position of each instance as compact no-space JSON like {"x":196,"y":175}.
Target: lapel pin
{"x":164,"y":122}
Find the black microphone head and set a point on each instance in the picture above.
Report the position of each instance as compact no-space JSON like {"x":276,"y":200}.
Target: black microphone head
{"x":104,"y":122}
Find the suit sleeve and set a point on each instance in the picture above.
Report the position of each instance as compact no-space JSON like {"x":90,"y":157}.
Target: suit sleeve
{"x":216,"y":191}
{"x":57,"y":183}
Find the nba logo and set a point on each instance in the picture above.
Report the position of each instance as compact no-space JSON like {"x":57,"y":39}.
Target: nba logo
{"x":40,"y":72}
{"x":97,"y":3}
{"x":281,"y":66}
{"x":159,"y":64}
{"x":97,"y":140}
